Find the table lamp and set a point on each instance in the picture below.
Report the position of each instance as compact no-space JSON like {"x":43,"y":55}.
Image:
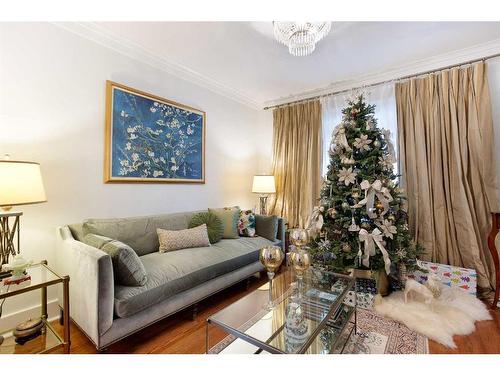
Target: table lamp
{"x":20,"y":183}
{"x":263,"y":185}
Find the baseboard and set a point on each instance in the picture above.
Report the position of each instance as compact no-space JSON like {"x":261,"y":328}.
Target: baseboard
{"x":9,"y":321}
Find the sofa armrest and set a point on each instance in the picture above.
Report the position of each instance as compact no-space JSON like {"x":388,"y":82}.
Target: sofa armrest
{"x":281,"y":231}
{"x":91,"y":285}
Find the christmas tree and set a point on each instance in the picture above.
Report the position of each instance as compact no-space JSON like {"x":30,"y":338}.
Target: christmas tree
{"x":360,"y":221}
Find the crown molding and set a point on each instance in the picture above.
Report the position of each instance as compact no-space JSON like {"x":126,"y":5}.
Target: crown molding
{"x":440,"y":61}
{"x":104,"y":37}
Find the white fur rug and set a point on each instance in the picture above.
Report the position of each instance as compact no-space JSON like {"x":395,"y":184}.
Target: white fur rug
{"x":453,"y":313}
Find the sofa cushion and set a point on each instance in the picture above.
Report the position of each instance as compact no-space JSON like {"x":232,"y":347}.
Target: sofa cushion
{"x":171,"y":240}
{"x":138,"y":232}
{"x":267,"y":226}
{"x":127,"y":267}
{"x":176,"y":271}
{"x":229,"y":217}
{"x":215,"y":227}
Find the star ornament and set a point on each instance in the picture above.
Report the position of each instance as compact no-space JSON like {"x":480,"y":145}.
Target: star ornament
{"x":362,"y":143}
{"x":347,"y":176}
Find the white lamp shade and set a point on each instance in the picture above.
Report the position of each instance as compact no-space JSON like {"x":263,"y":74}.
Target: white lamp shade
{"x":20,"y":183}
{"x":263,"y":185}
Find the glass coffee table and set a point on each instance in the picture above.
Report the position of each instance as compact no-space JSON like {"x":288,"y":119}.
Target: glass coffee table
{"x":312,"y":316}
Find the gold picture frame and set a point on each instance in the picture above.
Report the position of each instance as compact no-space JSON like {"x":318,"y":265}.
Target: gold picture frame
{"x":170,"y":146}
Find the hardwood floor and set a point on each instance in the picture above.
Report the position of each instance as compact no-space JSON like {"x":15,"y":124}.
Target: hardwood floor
{"x":179,"y":334}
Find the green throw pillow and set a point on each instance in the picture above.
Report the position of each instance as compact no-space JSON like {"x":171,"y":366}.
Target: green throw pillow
{"x":229,"y":217}
{"x":215,"y":227}
{"x":127,"y":267}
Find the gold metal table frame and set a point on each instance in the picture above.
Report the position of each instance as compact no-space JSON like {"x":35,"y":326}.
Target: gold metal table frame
{"x":49,"y":341}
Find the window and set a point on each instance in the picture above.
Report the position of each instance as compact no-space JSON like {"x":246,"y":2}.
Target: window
{"x":382,"y":96}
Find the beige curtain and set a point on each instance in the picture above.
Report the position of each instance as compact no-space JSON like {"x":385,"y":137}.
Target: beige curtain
{"x":447,"y":163}
{"x":296,"y":161}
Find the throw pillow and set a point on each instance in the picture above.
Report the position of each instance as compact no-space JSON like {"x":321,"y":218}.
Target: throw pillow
{"x":267,"y":226}
{"x":229,"y":217}
{"x":215,"y":227}
{"x":182,"y":239}
{"x":127,"y":266}
{"x":246,"y":224}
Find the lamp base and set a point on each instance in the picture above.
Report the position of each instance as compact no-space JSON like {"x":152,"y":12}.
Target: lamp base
{"x":263,"y":204}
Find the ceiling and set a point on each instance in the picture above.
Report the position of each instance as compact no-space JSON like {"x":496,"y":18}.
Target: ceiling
{"x":244,"y":58}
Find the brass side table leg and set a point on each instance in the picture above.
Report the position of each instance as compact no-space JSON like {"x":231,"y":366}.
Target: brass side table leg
{"x":43,"y":293}
{"x":67,"y":341}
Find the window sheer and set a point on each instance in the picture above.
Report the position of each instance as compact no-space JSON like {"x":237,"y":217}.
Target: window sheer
{"x":382,"y":96}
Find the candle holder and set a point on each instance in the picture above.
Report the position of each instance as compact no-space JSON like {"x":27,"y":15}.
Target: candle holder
{"x":271,"y":258}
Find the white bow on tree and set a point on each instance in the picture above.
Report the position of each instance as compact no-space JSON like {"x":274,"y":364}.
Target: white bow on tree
{"x":371,"y":191}
{"x":370,"y":239}
{"x":340,"y":138}
{"x":316,"y":221}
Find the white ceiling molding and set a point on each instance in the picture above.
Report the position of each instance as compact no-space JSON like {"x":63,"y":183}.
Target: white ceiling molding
{"x":440,"y":61}
{"x":102,"y":36}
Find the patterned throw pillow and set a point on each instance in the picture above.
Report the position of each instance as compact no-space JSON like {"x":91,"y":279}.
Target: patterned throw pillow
{"x":246,"y":224}
{"x":229,"y":217}
{"x":215,"y":227}
{"x":182,"y":239}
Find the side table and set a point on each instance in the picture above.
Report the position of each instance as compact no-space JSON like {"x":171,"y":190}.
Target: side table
{"x":49,"y":340}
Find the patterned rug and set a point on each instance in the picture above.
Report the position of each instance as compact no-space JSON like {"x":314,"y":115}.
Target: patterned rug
{"x":378,"y":335}
{"x":375,"y":335}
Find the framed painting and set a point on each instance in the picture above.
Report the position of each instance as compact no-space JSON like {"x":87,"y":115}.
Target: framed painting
{"x":152,"y":139}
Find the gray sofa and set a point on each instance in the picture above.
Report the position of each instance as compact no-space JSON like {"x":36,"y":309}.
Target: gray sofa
{"x":108,"y":312}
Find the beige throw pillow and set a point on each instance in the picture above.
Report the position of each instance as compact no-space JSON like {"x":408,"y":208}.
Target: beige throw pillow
{"x":182,"y":239}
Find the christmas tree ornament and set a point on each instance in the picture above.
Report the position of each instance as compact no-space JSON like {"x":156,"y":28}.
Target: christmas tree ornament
{"x":332,"y":212}
{"x":371,"y":191}
{"x":362,"y":143}
{"x":347,"y":176}
{"x":370,"y":240}
{"x":345,"y":206}
{"x":391,"y":218}
{"x":316,"y":220}
{"x":369,"y":124}
{"x":376,"y":143}
{"x":365,"y":224}
{"x":353,"y":227}
{"x":340,"y":138}
{"x":347,"y":160}
{"x":387,"y":228}
{"x":346,"y":248}
{"x":355,"y":192}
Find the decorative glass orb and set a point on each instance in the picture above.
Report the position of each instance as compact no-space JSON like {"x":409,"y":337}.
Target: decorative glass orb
{"x":271,"y":258}
{"x":301,"y":261}
{"x":299,"y":237}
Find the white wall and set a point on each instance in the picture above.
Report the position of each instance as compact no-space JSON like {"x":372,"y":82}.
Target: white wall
{"x":52,"y":107}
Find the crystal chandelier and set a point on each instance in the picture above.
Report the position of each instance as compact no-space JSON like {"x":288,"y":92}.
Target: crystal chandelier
{"x":300,"y":37}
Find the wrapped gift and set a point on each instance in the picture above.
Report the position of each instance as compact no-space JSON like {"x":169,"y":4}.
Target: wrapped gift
{"x":365,"y":293}
{"x":457,"y":277}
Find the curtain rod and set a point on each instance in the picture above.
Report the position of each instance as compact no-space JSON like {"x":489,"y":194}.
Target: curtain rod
{"x":382,"y":82}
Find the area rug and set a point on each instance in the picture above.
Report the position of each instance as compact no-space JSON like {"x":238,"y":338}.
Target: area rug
{"x":375,"y":335}
{"x":378,"y":335}
{"x":453,"y":313}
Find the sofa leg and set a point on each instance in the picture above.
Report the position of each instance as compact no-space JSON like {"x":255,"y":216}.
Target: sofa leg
{"x":102,"y":350}
{"x":248,"y":283}
{"x":195,"y":312}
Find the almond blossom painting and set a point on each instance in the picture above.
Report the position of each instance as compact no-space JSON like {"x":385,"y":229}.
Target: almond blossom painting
{"x":151,"y":139}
